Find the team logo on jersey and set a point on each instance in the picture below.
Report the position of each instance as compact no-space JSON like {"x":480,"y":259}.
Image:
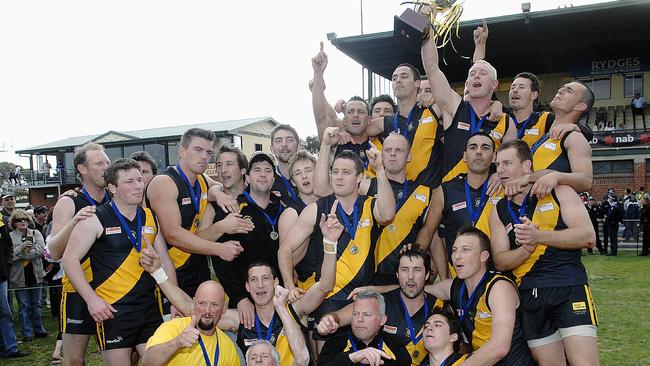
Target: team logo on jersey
{"x":463,"y":126}
{"x":113,"y":230}
{"x":400,"y":194}
{"x":247,"y":217}
{"x":477,"y":201}
{"x":410,"y":126}
{"x":362,"y":154}
{"x":458,"y":206}
{"x":545,"y":207}
{"x":186,"y":201}
{"x":390,"y":329}
{"x":354,"y":249}
{"x":532,"y":131}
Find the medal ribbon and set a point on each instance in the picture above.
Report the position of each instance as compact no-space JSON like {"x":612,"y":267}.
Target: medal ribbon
{"x":205,"y":353}
{"x":521,"y":127}
{"x":539,"y":143}
{"x":522,"y":210}
{"x":408,"y":121}
{"x":195,"y":192}
{"x":137,"y":241}
{"x":269,"y":330}
{"x":92,"y":200}
{"x":474,"y":215}
{"x":475,"y":126}
{"x":266,"y":216}
{"x":409,"y":321}
{"x":287,"y":185}
{"x":404,"y":194}
{"x":464,"y":308}
{"x":350,"y":228}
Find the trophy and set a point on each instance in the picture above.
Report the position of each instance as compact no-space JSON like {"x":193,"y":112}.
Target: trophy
{"x":429,"y":18}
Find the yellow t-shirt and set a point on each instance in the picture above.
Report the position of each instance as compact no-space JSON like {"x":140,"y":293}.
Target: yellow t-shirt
{"x":194,"y":355}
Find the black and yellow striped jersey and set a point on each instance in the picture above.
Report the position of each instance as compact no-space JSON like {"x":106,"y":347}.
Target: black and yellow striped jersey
{"x":546,"y":266}
{"x":534,"y":127}
{"x":355,"y":265}
{"x":398,"y":324}
{"x":277,"y":337}
{"x":424,"y":132}
{"x":191,"y":268}
{"x":336,"y":350}
{"x":551,"y":154}
{"x":412,"y":202}
{"x":455,"y":359}
{"x":117,"y":276}
{"x":360,"y":150}
{"x":476,"y":318}
{"x":464,"y":124}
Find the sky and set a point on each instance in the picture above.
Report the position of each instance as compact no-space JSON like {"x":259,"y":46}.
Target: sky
{"x":71,"y":68}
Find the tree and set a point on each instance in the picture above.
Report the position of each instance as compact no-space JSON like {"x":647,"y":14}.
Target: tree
{"x":5,"y":168}
{"x":313,"y":144}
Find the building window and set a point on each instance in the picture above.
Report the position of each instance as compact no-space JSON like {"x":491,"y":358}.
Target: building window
{"x":616,"y":167}
{"x":601,"y":87}
{"x":236,"y":140}
{"x":157,"y":152}
{"x":258,"y":147}
{"x":172,"y":153}
{"x":113,"y":153}
{"x":633,"y":84}
{"x":128,"y":150}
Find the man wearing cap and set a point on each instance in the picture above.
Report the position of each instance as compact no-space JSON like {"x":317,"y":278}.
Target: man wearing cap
{"x":8,"y":206}
{"x":613,"y":217}
{"x":262,"y":209}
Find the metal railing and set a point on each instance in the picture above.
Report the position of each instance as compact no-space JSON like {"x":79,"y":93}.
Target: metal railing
{"x":30,"y":177}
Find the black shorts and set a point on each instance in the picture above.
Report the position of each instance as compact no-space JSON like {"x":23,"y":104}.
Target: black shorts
{"x":74,"y":317}
{"x":128,"y":329}
{"x":547,"y":311}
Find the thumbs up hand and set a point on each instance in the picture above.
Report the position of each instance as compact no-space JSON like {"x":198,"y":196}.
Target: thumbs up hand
{"x":189,"y":336}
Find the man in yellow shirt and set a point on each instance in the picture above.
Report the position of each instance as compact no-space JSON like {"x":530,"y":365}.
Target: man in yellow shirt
{"x":194,"y":340}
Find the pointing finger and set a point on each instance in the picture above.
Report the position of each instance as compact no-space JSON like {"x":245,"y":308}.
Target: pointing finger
{"x":321,"y":44}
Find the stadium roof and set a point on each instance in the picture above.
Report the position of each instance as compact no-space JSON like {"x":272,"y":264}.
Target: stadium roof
{"x":541,"y":42}
{"x":220,"y":128}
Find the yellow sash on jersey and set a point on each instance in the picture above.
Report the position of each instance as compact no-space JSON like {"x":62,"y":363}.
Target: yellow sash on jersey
{"x":531,"y":135}
{"x":483,"y":318}
{"x":496,"y":134}
{"x":178,"y":256}
{"x":393,"y":235}
{"x":419,"y":347}
{"x":423,"y":142}
{"x":351,"y":261}
{"x":88,"y":273}
{"x":547,"y":153}
{"x":546,"y":215}
{"x":127,"y":275}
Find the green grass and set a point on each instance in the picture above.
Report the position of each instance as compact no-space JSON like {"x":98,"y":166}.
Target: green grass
{"x":621,"y":289}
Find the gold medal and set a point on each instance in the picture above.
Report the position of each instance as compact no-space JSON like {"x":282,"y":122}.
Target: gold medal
{"x":416,"y":354}
{"x":274,"y":235}
{"x":197,"y":223}
{"x":354,"y":249}
{"x":391,"y":228}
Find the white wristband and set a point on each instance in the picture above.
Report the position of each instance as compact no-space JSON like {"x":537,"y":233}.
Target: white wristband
{"x":160,"y":276}
{"x":329,"y":244}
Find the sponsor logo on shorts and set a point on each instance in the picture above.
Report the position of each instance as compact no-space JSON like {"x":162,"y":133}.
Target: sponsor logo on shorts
{"x":74,"y":321}
{"x":113,"y":230}
{"x":581,"y":305}
{"x":116,"y":340}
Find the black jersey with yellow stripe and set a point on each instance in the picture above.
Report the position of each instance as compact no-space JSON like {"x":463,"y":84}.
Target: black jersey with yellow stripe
{"x":459,"y":132}
{"x":355,"y":265}
{"x":278,"y":337}
{"x":80,"y":201}
{"x":360,"y":150}
{"x":551,"y":154}
{"x":397,"y":323}
{"x":455,"y":213}
{"x":191,"y":268}
{"x":534,"y":127}
{"x":424,"y":134}
{"x":404,"y":228}
{"x":477,"y":324}
{"x":546,"y":266}
{"x":118,"y":277}
{"x":454,"y":359}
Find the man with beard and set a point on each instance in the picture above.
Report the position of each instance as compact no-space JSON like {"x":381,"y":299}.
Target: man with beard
{"x":461,"y":201}
{"x":284,"y":146}
{"x":122,"y":300}
{"x":194,"y":340}
{"x":407,"y":307}
{"x":442,"y":338}
{"x":362,"y":217}
{"x":262,"y":209}
{"x":366,"y":344}
{"x":540,"y":241}
{"x":563,"y":159}
{"x":302,"y":176}
{"x":77,"y":325}
{"x":486,"y":302}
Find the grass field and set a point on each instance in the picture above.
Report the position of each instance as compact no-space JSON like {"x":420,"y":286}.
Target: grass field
{"x":620,"y":285}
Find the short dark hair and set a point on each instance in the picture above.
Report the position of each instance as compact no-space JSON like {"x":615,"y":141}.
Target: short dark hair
{"x":471,"y":230}
{"x":111,"y":174}
{"x":453,"y":322}
{"x":481,"y":133}
{"x":146,"y":158}
{"x":414,"y":70}
{"x":382,"y":98}
{"x":187,"y":136}
{"x":261,"y":264}
{"x":350,"y":155}
{"x":588,"y":98}
{"x":534,"y":83}
{"x":415,"y":251}
{"x":80,"y":153}
{"x":284,"y":127}
{"x":357,"y":98}
{"x":523,"y":151}
{"x":242,"y":161}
